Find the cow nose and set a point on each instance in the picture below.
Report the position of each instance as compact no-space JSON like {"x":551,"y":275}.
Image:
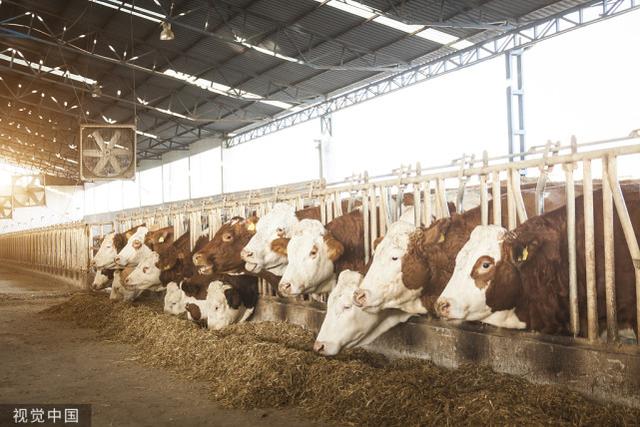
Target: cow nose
{"x":442,"y":307}
{"x":117,"y":260}
{"x":318,"y":347}
{"x":360,"y":297}
{"x":284,"y":288}
{"x":244,"y":253}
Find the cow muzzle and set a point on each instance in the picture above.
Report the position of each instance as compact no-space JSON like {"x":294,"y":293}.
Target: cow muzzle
{"x":319,"y":347}
{"x":284,"y":289}
{"x":361,"y":297}
{"x":442,"y":307}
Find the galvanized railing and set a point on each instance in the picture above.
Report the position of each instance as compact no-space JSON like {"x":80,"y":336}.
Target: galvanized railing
{"x":62,"y":251}
{"x":66,"y":250}
{"x":466,"y":182}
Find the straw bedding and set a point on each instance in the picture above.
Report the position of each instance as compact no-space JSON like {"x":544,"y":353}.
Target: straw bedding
{"x":259,"y":365}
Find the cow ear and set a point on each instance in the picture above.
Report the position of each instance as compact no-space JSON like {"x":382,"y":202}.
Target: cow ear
{"x":521,"y":253}
{"x":436,"y":233}
{"x":251,"y":223}
{"x":335,"y":249}
{"x":166,"y":235}
{"x":279,"y":245}
{"x":233,"y":297}
{"x":377,"y":242}
{"x":194,"y":311}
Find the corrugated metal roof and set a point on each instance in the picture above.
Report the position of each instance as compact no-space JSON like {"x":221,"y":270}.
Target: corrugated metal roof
{"x":280,"y":50}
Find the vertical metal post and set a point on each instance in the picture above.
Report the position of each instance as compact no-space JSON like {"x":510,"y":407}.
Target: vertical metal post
{"x":373,"y":214}
{"x":496,"y":198}
{"x":484,"y":205}
{"x":511,"y":203}
{"x":428,"y":210}
{"x":365,"y":219}
{"x":627,"y":226}
{"x":515,"y":101}
{"x":517,"y":195}
{"x":571,"y":242}
{"x":590,"y":253}
{"x":609,"y":256}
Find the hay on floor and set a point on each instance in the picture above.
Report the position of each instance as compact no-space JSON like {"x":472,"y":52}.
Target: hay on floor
{"x":269,"y":364}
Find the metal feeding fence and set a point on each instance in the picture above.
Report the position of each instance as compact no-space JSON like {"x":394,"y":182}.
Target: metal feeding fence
{"x":63,"y":251}
{"x":466,"y":182}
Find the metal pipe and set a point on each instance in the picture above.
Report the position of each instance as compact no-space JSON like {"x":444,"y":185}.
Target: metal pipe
{"x":590,"y":252}
{"x":627,"y":227}
{"x":373,"y":214}
{"x":609,"y":256}
{"x":365,"y":219}
{"x":428,"y":210}
{"x":417,"y":204}
{"x":571,"y":242}
{"x":511,"y":204}
{"x":484,"y":202}
{"x":517,"y":193}
{"x":496,"y":198}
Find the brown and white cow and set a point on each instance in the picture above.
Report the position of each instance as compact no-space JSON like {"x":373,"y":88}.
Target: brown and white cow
{"x":242,"y":291}
{"x":176,"y":261}
{"x":222,"y":253}
{"x":411,"y":267}
{"x":278,"y":223}
{"x":103,"y":279}
{"x":520,"y":279}
{"x":317,"y":254}
{"x":111,"y":244}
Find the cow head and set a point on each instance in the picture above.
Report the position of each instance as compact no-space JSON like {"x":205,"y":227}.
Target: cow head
{"x":491,"y":284}
{"x":178,"y":252}
{"x":346,"y":325}
{"x":160,"y":239}
{"x":145,"y":274}
{"x":382,"y":287}
{"x":311,"y":252}
{"x":222,"y":253}
{"x":224,"y":306}
{"x":118,"y":291}
{"x":135,"y":249}
{"x":106,"y":253}
{"x":174,"y":300}
{"x":102,"y":279}
{"x":258,"y":253}
{"x":464,"y":297}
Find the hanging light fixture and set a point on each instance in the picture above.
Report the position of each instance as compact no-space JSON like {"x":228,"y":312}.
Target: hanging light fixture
{"x":167,"y":32}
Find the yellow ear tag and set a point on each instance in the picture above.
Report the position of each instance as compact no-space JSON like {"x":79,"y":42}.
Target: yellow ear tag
{"x":441,"y":239}
{"x":525,"y":254}
{"x":161,"y":239}
{"x":251,"y":226}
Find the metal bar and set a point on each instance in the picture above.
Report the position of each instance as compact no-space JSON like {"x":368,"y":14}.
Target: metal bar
{"x":484,"y":201}
{"x":589,"y":253}
{"x":365,"y":219}
{"x":571,"y":242}
{"x":428,"y":212}
{"x":511,"y":204}
{"x":609,"y":256}
{"x":373,"y":213}
{"x":520,"y":38}
{"x":627,"y":227}
{"x":517,"y":193}
{"x":496,"y":198}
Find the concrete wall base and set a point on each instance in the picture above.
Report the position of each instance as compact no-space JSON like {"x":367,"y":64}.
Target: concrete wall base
{"x":606,"y":372}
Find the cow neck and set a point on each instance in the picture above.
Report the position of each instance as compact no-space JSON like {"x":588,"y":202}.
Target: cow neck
{"x":327,"y":285}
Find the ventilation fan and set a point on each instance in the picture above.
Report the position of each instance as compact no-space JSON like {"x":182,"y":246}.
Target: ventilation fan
{"x":6,"y":207}
{"x":107,"y":152}
{"x":28,"y":191}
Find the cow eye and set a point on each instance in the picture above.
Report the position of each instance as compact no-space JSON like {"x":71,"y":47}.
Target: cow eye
{"x":216,"y":309}
{"x":395,"y":258}
{"x":314,"y":251}
{"x":346,"y":306}
{"x":145,"y":269}
{"x":227,"y":237}
{"x":486,"y":265}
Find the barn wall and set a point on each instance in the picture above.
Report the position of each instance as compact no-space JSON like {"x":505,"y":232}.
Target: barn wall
{"x":609,"y":373}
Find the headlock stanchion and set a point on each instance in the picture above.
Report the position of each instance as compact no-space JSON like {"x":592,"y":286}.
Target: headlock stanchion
{"x":65,"y":250}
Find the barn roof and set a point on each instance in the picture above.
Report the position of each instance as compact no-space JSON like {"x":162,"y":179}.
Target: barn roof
{"x":232,"y":64}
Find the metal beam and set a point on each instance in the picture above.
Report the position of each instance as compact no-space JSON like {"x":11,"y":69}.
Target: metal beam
{"x":522,"y":37}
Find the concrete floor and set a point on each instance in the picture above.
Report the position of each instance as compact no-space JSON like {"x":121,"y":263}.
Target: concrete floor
{"x":43,"y":361}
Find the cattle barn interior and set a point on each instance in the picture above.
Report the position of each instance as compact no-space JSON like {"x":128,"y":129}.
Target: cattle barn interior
{"x":319,"y":212}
